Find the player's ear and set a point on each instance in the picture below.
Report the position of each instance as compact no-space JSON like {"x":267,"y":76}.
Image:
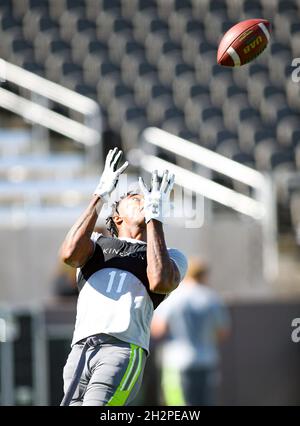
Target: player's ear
{"x":118,"y":219}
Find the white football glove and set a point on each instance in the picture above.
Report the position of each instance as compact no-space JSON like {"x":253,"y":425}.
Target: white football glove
{"x":110,"y":175}
{"x":157,"y":200}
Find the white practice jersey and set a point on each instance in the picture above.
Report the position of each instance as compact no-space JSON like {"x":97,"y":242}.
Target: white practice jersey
{"x":114,"y":295}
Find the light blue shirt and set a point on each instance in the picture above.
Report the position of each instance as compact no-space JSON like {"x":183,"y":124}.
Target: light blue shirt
{"x":194,"y":315}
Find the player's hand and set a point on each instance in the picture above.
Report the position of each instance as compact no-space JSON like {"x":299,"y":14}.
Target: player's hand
{"x":157,"y":199}
{"x":111,"y":173}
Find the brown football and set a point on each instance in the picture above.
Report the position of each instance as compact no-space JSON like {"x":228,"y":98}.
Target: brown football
{"x":243,"y":42}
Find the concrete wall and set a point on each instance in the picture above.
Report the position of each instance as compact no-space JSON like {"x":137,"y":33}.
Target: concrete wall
{"x":232,"y":245}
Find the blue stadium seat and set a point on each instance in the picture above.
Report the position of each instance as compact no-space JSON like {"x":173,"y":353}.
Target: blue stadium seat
{"x":35,"y":23}
{"x":160,"y":56}
{"x":288,"y":131}
{"x":156,"y":108}
{"x":271,"y":104}
{"x":6,"y":7}
{"x":189,"y":136}
{"x":143,"y":86}
{"x":263,"y":151}
{"x":48,"y":44}
{"x":270,"y":8}
{"x":181,"y":88}
{"x":214,"y":27}
{"x":283,"y":160}
{"x":244,"y":158}
{"x":177,"y":24}
{"x":287,"y":6}
{"x":191,"y":48}
{"x":105,"y":89}
{"x":135,"y":113}
{"x":228,"y":147}
{"x":166,"y":66}
{"x":105,"y":23}
{"x":145,"y":23}
{"x":86,"y":90}
{"x":71,"y":23}
{"x":200,"y":8}
{"x":34,"y":67}
{"x":82,"y":45}
{"x":9,"y":23}
{"x":121,"y":90}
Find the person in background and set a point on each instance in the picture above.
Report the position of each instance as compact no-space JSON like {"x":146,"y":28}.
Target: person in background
{"x":191,"y":323}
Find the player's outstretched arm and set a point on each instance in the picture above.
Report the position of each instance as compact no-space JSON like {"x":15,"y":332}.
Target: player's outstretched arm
{"x":162,"y":273}
{"x":78,"y":247}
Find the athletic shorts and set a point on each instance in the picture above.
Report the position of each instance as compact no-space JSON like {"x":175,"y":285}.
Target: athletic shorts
{"x":111,"y":372}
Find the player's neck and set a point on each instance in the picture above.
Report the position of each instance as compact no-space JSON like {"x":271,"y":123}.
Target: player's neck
{"x":135,"y":233}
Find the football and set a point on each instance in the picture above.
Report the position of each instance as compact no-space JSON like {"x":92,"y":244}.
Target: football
{"x":243,"y":42}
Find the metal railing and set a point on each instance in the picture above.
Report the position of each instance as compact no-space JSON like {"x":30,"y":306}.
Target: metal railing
{"x":87,"y":133}
{"x":261,"y":206}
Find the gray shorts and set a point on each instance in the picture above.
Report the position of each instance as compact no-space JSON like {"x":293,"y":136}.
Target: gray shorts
{"x":111,"y":373}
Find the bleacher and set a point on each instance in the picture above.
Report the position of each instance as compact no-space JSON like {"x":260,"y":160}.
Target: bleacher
{"x":154,"y":62}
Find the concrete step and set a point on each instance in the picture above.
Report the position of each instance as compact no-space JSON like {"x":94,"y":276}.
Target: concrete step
{"x":36,"y":166}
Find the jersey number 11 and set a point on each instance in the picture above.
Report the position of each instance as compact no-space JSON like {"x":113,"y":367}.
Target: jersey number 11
{"x":112,"y":275}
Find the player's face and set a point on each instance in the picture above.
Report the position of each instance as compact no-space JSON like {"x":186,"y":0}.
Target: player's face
{"x":131,"y":209}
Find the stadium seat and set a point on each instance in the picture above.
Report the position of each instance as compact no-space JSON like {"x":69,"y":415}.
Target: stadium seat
{"x":281,"y":57}
{"x":199,"y":8}
{"x":156,"y":108}
{"x":177,"y":24}
{"x":251,"y":9}
{"x":116,"y":47}
{"x":244,"y":158}
{"x":46,"y":46}
{"x":35,"y":23}
{"x":145,"y":23}
{"x":270,"y":8}
{"x":95,"y":67}
{"x":263,"y":151}
{"x":193,"y":112}
{"x":93,"y":6}
{"x":105,"y":89}
{"x":189,"y":136}
{"x":292,"y":93}
{"x":297,"y":154}
{"x":82,"y":45}
{"x":153,"y":47}
{"x":214,"y":29}
{"x":143,"y":88}
{"x":191,"y":47}
{"x":271,"y":104}
{"x":58,"y":7}
{"x":231,"y":111}
{"x":209,"y":131}
{"x":173,"y":125}
{"x":71,"y":22}
{"x":154,"y":61}
{"x":104,"y":25}
{"x":234,"y":9}
{"x":165,"y":8}
{"x":283,"y":161}
{"x":288,"y":131}
{"x":295,"y":43}
{"x":34,"y":67}
{"x":167,"y":65}
{"x":9,"y":23}
{"x":181,"y":88}
{"x":228,"y":147}
{"x":130,"y":132}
